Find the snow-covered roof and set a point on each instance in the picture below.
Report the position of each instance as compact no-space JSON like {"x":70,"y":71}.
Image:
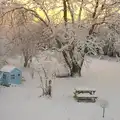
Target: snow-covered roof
{"x":7,"y":68}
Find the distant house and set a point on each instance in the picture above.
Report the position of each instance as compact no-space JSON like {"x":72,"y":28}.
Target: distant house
{"x":10,"y":75}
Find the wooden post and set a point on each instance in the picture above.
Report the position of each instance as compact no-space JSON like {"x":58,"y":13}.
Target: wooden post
{"x":103,"y":112}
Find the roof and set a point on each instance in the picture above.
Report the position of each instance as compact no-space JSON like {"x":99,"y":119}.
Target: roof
{"x":8,"y":68}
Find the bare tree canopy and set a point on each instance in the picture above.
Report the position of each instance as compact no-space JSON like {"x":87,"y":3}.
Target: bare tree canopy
{"x":72,"y":27}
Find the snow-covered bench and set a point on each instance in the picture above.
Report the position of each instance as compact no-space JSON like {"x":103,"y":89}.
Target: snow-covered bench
{"x":85,"y":90}
{"x":86,"y":97}
{"x":85,"y":94}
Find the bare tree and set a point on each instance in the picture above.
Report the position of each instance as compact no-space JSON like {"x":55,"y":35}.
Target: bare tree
{"x":24,"y":35}
{"x":45,"y":83}
{"x":69,"y":41}
{"x":102,"y":10}
{"x":73,"y":44}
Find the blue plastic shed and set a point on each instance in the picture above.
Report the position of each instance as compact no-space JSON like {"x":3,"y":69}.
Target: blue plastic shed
{"x":10,"y":75}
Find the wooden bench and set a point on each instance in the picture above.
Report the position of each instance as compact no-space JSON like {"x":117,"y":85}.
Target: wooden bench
{"x":85,"y":90}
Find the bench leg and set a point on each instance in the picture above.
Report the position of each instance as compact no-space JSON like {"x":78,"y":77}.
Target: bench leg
{"x":94,"y":100}
{"x":90,"y":93}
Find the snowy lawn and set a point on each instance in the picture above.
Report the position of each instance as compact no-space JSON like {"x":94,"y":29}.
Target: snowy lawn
{"x":22,"y":103}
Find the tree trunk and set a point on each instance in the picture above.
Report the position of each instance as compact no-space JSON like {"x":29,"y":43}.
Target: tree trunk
{"x":95,"y":10}
{"x":80,"y":11}
{"x":81,"y":65}
{"x":92,"y":29}
{"x":71,"y":11}
{"x":65,"y":12}
{"x":75,"y":70}
{"x":25,"y":61}
{"x":30,"y":61}
{"x":94,"y":17}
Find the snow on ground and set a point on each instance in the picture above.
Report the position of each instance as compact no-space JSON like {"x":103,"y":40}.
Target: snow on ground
{"x":22,"y":102}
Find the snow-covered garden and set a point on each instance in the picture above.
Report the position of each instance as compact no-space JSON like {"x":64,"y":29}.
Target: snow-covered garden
{"x":23,"y":103}
{"x":55,"y":47}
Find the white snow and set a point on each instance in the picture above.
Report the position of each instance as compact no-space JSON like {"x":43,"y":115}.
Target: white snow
{"x":85,"y":89}
{"x":22,"y":102}
{"x":7,"y":68}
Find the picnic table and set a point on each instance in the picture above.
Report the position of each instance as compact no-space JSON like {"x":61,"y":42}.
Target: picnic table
{"x":85,"y":90}
{"x":85,"y":94}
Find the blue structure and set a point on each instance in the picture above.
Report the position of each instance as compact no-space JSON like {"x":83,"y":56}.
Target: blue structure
{"x":10,"y":75}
